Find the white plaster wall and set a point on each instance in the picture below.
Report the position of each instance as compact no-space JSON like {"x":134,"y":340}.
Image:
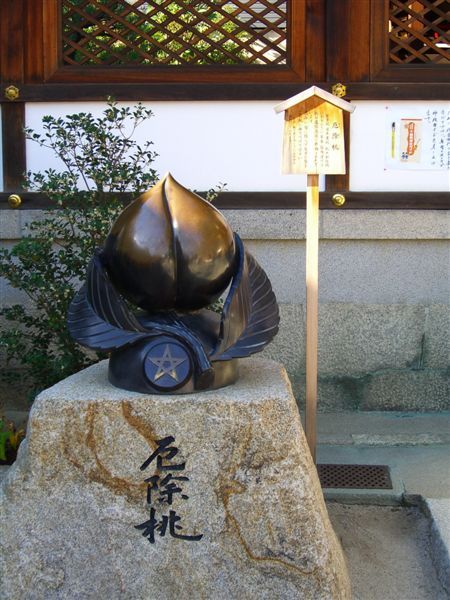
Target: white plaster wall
{"x":244,"y":150}
{"x":367,"y":143}
{"x":239,"y":143}
{"x":201,"y":143}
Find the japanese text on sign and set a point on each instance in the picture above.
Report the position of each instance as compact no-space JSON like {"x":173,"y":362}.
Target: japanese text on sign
{"x":313,"y":139}
{"x":419,"y":139}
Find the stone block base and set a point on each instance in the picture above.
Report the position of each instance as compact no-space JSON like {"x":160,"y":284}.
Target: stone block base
{"x":232,"y":507}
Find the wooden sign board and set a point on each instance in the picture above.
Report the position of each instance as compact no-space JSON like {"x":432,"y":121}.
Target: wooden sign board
{"x":313,"y":143}
{"x":313,"y":140}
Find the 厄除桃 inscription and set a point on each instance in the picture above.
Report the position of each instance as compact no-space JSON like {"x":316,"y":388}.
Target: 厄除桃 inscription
{"x":162,"y":487}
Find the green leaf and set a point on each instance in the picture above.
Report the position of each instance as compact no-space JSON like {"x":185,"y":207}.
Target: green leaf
{"x":99,"y":156}
{"x":4,"y":437}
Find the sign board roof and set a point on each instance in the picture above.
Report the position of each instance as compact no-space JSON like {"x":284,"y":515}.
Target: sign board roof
{"x":309,"y":93}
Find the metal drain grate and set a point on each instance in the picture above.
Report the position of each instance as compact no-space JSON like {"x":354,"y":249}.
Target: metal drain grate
{"x":355,"y":476}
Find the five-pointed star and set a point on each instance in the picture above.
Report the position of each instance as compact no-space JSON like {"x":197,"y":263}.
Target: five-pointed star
{"x":167,"y":359}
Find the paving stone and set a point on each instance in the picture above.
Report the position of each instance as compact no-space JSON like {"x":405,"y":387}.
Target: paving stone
{"x":439,"y":510}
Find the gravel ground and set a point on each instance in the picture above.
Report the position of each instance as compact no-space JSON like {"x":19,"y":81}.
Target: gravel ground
{"x":388,"y":552}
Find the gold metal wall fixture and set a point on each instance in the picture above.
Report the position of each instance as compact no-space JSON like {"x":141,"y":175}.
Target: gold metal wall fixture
{"x":338,"y":200}
{"x":12,"y":92}
{"x":14,"y":201}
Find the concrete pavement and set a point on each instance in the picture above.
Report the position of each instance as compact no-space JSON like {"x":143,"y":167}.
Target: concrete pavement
{"x":416,"y":447}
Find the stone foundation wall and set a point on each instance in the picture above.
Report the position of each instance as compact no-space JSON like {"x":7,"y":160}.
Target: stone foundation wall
{"x":383,"y":292}
{"x":371,"y":357}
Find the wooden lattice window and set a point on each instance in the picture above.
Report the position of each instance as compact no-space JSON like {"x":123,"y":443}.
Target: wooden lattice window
{"x":419,"y":32}
{"x":176,"y":40}
{"x":174,"y":32}
{"x":410,"y":40}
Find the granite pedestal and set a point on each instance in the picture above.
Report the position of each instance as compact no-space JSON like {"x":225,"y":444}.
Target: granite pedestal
{"x":211,"y":495}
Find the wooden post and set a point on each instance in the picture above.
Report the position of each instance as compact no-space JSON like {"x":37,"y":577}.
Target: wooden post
{"x":312,"y":307}
{"x":313,"y":143}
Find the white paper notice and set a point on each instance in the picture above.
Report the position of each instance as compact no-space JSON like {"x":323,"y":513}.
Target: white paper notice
{"x":418,"y":139}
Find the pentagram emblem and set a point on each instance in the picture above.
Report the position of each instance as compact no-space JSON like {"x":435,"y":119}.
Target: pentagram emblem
{"x":167,"y":364}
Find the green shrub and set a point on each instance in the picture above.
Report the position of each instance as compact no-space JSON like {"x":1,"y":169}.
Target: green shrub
{"x":101,"y":161}
{"x":10,"y":439}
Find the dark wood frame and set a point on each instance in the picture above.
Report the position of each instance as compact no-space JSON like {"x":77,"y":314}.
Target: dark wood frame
{"x":337,"y":42}
{"x":287,"y":201}
{"x":382,"y":70}
{"x":55,"y":72}
{"x":55,"y":92}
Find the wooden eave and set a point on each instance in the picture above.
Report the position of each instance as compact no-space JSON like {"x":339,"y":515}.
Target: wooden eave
{"x":309,"y":93}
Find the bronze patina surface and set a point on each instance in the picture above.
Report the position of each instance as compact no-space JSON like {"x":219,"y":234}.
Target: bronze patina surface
{"x":172,"y":254}
{"x":170,"y":249}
